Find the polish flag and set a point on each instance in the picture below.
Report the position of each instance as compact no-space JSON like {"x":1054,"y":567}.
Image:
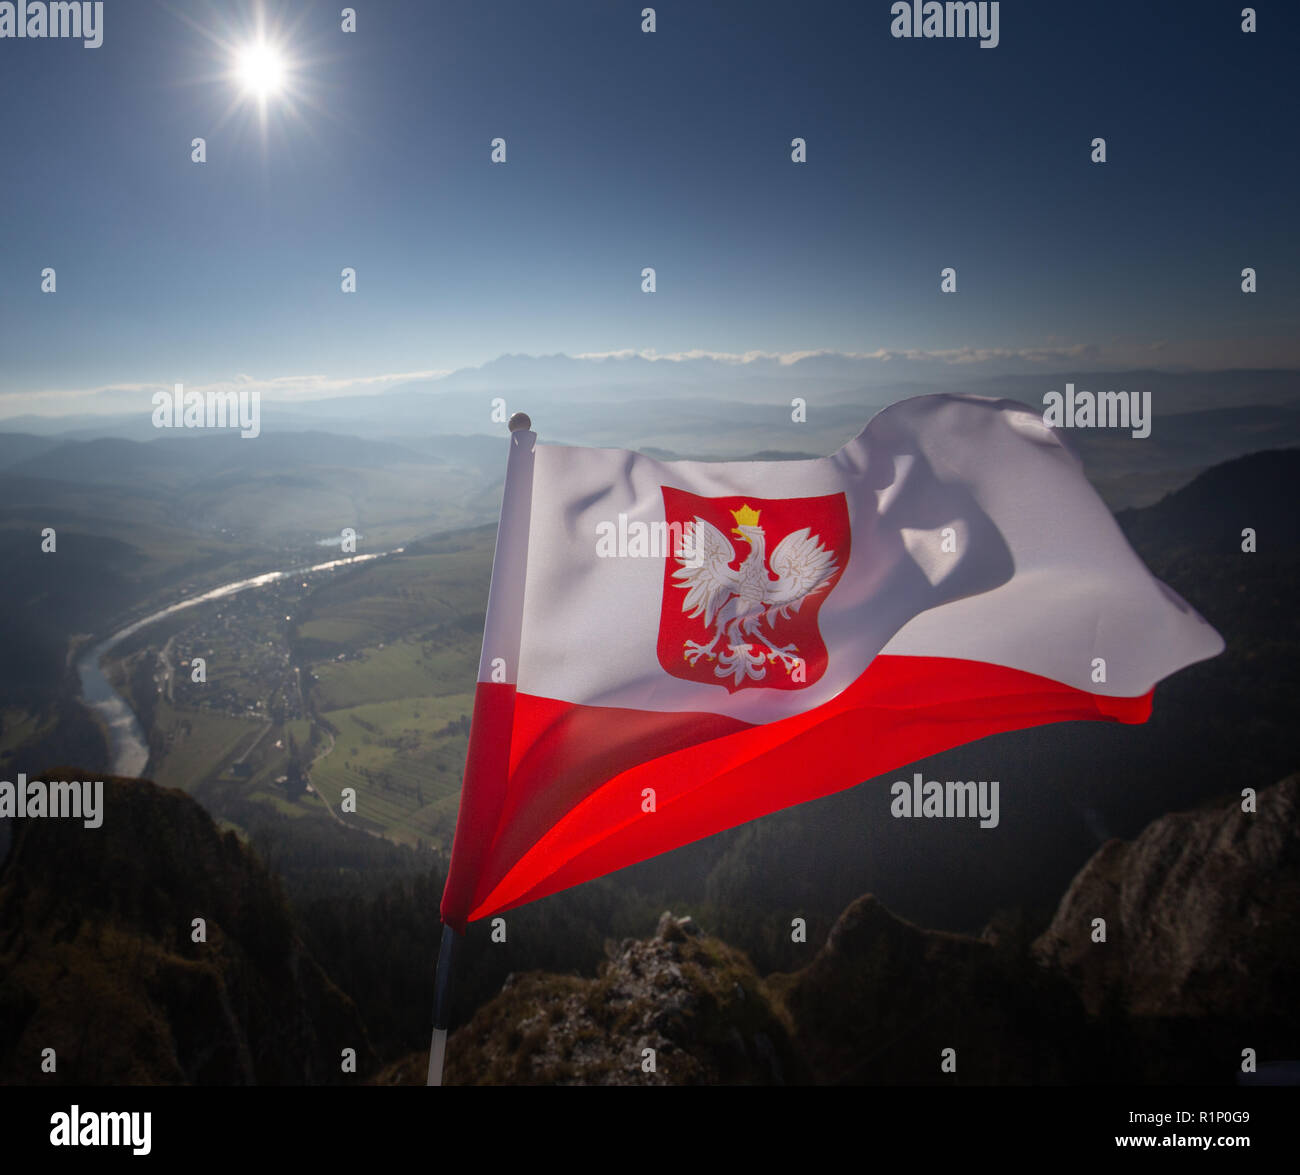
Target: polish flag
{"x":674,"y":648}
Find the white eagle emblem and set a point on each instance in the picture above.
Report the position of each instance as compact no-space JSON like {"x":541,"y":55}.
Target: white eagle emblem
{"x":736,"y":604}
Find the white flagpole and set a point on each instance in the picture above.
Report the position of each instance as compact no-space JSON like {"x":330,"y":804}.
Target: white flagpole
{"x":501,"y":633}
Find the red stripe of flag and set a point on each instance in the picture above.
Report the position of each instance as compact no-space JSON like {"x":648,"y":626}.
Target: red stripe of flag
{"x":572,"y":807}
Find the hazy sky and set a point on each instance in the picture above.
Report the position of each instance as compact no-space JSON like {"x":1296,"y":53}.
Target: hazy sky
{"x":626,"y":150}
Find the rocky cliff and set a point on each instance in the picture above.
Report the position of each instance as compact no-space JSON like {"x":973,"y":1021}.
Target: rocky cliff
{"x":693,"y":1001}
{"x":1201,"y":959}
{"x":97,"y":960}
{"x":1201,"y":913}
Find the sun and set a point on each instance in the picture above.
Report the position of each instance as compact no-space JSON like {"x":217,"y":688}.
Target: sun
{"x":260,"y":69}
{"x":271,"y":73}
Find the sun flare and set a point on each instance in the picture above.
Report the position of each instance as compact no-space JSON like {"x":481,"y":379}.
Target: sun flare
{"x":260,"y":70}
{"x":270,"y":74}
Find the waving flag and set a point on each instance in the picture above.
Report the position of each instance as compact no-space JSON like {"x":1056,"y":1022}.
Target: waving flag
{"x":674,"y":648}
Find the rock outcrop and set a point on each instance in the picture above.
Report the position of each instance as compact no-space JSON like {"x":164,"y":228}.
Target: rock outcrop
{"x":97,"y":960}
{"x":1202,"y":916}
{"x":696,"y":1002}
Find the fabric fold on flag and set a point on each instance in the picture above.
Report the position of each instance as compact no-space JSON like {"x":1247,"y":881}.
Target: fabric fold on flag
{"x":700,"y":644}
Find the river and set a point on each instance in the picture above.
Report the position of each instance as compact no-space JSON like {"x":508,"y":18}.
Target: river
{"x":128,"y":746}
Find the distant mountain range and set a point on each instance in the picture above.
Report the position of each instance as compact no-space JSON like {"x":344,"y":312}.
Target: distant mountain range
{"x":617,"y":400}
{"x":698,"y":408}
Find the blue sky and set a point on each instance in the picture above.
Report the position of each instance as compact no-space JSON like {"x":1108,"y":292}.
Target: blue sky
{"x":628,"y":150}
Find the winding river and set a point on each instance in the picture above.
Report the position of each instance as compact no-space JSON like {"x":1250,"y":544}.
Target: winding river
{"x":128,"y":746}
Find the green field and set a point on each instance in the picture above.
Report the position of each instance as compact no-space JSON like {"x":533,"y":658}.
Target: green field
{"x":404,"y":758}
{"x":407,"y":595}
{"x":409,"y":632}
{"x":197,"y":743}
{"x":404,"y":669}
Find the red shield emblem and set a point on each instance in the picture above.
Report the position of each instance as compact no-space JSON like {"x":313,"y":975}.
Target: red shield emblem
{"x":743,"y":588}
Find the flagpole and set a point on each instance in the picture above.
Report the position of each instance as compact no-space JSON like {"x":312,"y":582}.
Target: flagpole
{"x":516,"y":499}
{"x":441,"y":1004}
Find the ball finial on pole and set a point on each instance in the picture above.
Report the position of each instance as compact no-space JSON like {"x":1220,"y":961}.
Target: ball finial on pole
{"x":520,"y":422}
